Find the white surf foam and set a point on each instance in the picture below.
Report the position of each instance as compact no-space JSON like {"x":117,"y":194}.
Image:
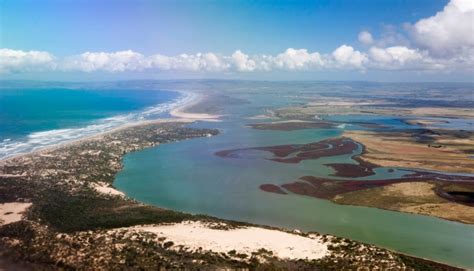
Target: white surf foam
{"x":39,"y":140}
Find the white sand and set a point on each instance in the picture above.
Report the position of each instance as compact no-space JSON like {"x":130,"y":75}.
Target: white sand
{"x":194,"y":235}
{"x":290,"y":121}
{"x":180,"y":112}
{"x":260,"y":117}
{"x":12,"y":175}
{"x":12,"y":212}
{"x":104,"y":188}
{"x":193,"y":116}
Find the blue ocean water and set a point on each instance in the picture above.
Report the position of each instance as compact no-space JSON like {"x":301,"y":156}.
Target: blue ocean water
{"x":32,"y":118}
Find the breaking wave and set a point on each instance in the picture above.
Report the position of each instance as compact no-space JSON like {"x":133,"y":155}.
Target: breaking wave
{"x":39,"y":140}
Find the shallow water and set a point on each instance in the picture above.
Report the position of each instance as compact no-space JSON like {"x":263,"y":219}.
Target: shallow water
{"x":188,"y":176}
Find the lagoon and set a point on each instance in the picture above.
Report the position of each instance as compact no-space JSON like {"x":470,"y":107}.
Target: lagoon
{"x":188,"y":176}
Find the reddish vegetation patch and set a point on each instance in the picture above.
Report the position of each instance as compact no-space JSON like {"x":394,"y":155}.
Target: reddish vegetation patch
{"x":291,"y":126}
{"x":272,"y":188}
{"x":300,"y":152}
{"x":362,"y":169}
{"x":328,"y":188}
{"x":294,"y":154}
{"x":320,"y":124}
{"x":350,"y":170}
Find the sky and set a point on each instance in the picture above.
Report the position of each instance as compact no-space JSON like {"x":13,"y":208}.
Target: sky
{"x":390,"y":40}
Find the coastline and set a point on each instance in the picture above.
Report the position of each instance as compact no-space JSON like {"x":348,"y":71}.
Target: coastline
{"x":176,"y":109}
{"x":97,"y":136}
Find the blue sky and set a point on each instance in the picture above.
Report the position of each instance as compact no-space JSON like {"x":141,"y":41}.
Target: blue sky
{"x":174,"y":27}
{"x":67,"y":29}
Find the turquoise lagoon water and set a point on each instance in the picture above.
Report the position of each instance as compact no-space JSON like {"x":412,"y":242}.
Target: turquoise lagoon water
{"x":32,"y":118}
{"x":187,"y":176}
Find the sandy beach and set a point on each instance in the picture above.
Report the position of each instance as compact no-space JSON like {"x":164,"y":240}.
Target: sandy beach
{"x":178,"y":114}
{"x":44,"y":151}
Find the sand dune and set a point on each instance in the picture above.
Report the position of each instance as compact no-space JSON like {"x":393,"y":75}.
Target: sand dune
{"x":245,"y":240}
{"x":12,"y":212}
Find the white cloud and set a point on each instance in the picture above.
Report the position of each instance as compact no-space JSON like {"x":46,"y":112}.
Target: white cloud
{"x":12,"y":61}
{"x":346,"y":56}
{"x":365,"y":38}
{"x":297,"y":59}
{"x":444,"y":42}
{"x":242,"y":62}
{"x":211,"y":62}
{"x":395,"y":54}
{"x":400,"y":57}
{"x":188,"y":62}
{"x":449,"y":32}
{"x":101,"y":61}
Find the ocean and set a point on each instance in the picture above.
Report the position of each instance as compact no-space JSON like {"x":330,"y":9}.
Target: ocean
{"x":34,"y":118}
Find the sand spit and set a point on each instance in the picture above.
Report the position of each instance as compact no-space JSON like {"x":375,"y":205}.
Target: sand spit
{"x":12,"y":212}
{"x":180,"y":112}
{"x":195,"y":235}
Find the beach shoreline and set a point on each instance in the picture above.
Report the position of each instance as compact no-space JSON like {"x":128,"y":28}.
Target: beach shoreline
{"x":97,"y":136}
{"x":177,"y":112}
